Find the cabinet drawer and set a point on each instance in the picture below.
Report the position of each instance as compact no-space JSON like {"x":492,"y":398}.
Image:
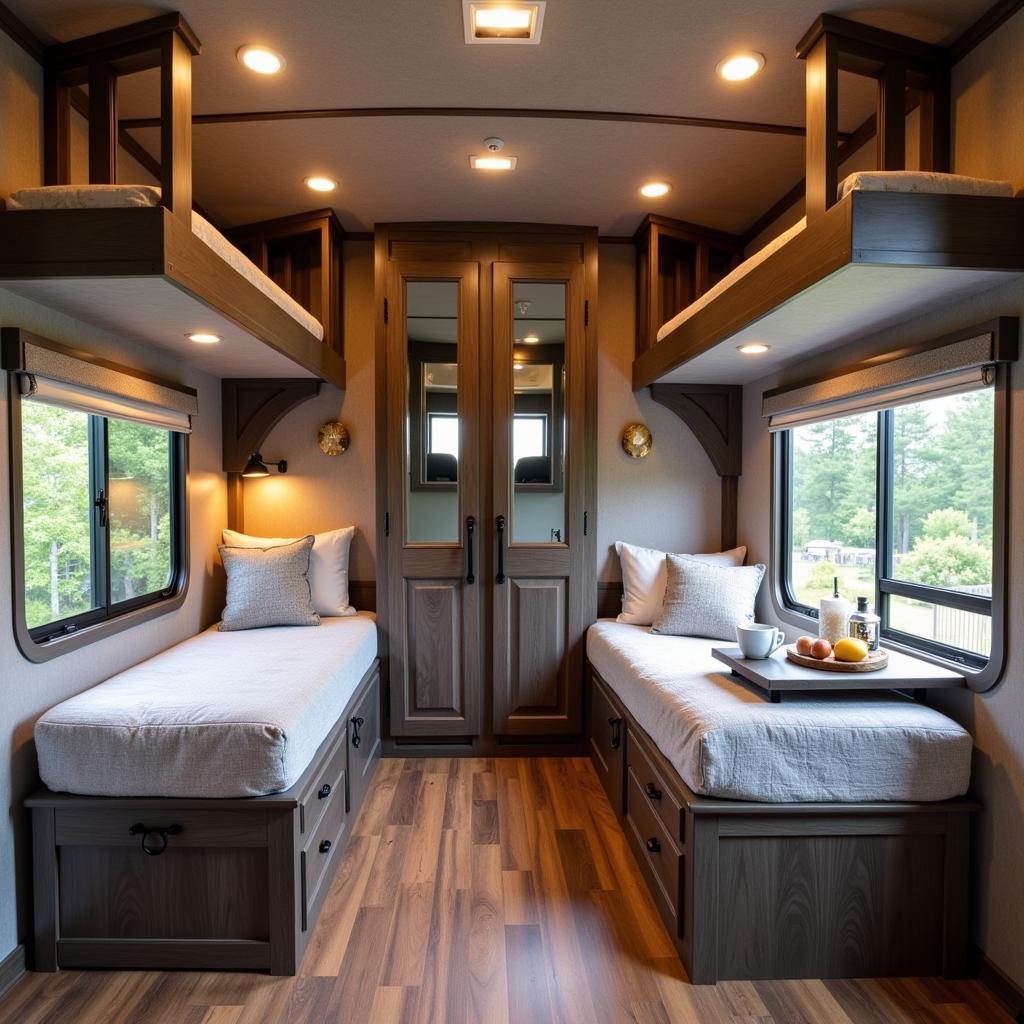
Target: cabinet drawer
{"x":654,"y":844}
{"x":652,"y":784}
{"x":606,"y":742}
{"x":322,"y":850}
{"x":323,"y":790}
{"x":363,"y":742}
{"x":125,"y":826}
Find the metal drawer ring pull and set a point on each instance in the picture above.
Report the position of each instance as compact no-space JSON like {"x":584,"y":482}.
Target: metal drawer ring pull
{"x":154,"y":840}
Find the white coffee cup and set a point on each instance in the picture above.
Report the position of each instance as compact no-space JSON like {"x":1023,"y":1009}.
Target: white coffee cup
{"x":758,"y":641}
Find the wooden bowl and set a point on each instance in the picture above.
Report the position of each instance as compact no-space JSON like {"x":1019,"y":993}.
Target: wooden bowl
{"x":872,"y":663}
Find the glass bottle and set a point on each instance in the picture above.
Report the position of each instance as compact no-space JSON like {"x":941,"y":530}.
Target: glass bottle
{"x":865,"y":625}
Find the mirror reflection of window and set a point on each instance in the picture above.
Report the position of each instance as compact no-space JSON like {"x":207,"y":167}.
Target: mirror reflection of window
{"x":538,"y":421}
{"x":432,"y":469}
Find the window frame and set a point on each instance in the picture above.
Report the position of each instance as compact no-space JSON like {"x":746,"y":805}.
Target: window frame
{"x":981,"y":673}
{"x":43,"y":643}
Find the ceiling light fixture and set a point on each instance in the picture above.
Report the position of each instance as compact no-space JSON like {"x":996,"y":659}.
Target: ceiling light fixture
{"x":741,"y":67}
{"x":531,"y":339}
{"x":655,"y":189}
{"x":753,"y":348}
{"x":493,"y":163}
{"x":321,"y":184}
{"x":515,"y":21}
{"x":261,"y":59}
{"x":204,"y":337}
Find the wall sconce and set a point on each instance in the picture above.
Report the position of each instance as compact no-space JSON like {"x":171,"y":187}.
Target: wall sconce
{"x":256,"y":467}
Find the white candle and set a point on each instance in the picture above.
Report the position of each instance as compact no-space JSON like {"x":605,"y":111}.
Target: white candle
{"x":833,"y":617}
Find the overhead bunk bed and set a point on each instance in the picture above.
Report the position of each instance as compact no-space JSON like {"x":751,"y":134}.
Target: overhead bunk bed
{"x":871,"y":251}
{"x":137,"y":260}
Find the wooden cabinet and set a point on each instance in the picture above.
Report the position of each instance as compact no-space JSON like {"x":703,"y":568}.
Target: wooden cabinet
{"x":486,"y":547}
{"x":676,"y":263}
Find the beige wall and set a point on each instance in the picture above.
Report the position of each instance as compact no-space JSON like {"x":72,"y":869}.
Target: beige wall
{"x":26,"y":689}
{"x":989,"y":141}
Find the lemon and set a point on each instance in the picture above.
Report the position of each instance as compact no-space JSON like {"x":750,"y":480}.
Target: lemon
{"x":850,"y":649}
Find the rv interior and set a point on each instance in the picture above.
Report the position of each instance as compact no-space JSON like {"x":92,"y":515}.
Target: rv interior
{"x":509,"y":512}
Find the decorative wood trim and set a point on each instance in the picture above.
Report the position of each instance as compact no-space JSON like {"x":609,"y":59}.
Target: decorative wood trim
{"x":989,"y":22}
{"x":537,"y":113}
{"x":362,"y":594}
{"x":609,"y":598}
{"x":251,"y":408}
{"x":12,"y":26}
{"x":1000,"y":984}
{"x":12,"y":967}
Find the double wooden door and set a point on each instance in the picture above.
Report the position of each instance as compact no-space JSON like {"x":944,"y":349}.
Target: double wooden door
{"x":487,"y":484}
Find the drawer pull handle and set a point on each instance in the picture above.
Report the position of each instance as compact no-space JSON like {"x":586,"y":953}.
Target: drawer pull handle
{"x":652,"y":791}
{"x":154,"y":840}
{"x":357,"y":724}
{"x":325,"y":845}
{"x":616,"y":724}
{"x":324,"y":791}
{"x":653,"y":846}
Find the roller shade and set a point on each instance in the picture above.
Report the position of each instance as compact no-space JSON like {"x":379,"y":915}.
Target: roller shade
{"x":96,"y":403}
{"x":964,"y":365}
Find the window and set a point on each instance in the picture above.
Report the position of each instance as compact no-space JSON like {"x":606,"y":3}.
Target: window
{"x":102,"y":523}
{"x":529,"y":436}
{"x":443,"y":433}
{"x":899,"y":505}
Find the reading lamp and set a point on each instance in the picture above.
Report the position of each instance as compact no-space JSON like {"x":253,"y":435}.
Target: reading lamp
{"x":257,"y":467}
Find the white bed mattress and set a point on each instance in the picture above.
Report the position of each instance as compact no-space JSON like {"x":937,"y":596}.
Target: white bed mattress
{"x":725,"y":740}
{"x":77,"y":197}
{"x":859,"y":181}
{"x":220,"y":715}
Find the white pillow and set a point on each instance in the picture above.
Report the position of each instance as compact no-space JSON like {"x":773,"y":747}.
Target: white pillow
{"x":328,"y":565}
{"x":643,"y":579}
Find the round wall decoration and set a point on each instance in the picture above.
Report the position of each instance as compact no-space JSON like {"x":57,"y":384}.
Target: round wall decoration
{"x":637,"y":441}
{"x":333,"y":438}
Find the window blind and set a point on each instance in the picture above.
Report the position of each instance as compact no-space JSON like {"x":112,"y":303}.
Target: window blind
{"x":96,"y":403}
{"x":964,"y":365}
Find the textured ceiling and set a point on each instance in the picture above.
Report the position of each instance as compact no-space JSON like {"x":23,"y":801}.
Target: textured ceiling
{"x":650,"y":56}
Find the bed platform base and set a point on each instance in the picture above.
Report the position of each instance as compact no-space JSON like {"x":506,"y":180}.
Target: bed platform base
{"x":233,"y":884}
{"x":772,"y":891}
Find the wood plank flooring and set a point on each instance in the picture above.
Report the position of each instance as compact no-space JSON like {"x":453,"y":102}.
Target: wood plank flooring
{"x":487,"y":891}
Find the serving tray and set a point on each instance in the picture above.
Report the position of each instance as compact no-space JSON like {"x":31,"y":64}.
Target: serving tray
{"x":872,"y":663}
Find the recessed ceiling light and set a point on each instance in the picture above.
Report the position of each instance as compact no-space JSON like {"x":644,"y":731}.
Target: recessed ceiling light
{"x":741,"y":66}
{"x":320,"y":184}
{"x":492,"y":21}
{"x":531,"y":339}
{"x":754,"y":348}
{"x":493,"y":163}
{"x":654,"y":189}
{"x":204,"y":337}
{"x":261,"y":59}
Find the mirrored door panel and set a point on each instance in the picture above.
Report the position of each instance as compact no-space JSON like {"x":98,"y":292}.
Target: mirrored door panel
{"x":537,"y":463}
{"x":539,"y":403}
{"x":433,"y":454}
{"x":432,"y":416}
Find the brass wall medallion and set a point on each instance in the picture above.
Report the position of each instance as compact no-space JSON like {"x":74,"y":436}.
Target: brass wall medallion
{"x":333,"y":438}
{"x":637,"y":441}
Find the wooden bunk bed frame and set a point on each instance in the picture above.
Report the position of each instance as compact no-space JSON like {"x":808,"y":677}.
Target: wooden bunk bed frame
{"x":904,"y":232}
{"x":123,"y":249}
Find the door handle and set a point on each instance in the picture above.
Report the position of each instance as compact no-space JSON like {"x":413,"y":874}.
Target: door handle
{"x":470,"y":528}
{"x":500,"y":524}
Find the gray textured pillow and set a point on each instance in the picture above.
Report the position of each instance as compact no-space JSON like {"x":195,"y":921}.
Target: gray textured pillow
{"x":707,"y":600}
{"x":268,"y":586}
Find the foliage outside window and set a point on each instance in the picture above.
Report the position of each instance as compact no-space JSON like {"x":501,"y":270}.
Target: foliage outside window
{"x":898,"y":505}
{"x":101,"y":530}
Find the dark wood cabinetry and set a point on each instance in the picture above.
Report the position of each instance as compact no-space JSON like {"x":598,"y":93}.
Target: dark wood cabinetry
{"x":486,"y":488}
{"x":676,"y":263}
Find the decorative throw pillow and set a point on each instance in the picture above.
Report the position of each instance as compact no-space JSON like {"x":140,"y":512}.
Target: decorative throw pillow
{"x":328,"y":565}
{"x":707,"y":600}
{"x":268,"y":586}
{"x":643,"y":579}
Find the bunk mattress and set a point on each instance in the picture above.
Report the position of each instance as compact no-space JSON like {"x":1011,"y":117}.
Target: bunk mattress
{"x":727,"y":741}
{"x":220,"y":715}
{"x":93,"y":197}
{"x":859,"y":181}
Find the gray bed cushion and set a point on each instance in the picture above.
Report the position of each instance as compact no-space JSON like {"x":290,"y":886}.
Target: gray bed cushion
{"x":268,"y":586}
{"x":707,"y":600}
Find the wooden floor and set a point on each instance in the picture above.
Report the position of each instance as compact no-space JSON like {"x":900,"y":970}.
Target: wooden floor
{"x":490,"y":891}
